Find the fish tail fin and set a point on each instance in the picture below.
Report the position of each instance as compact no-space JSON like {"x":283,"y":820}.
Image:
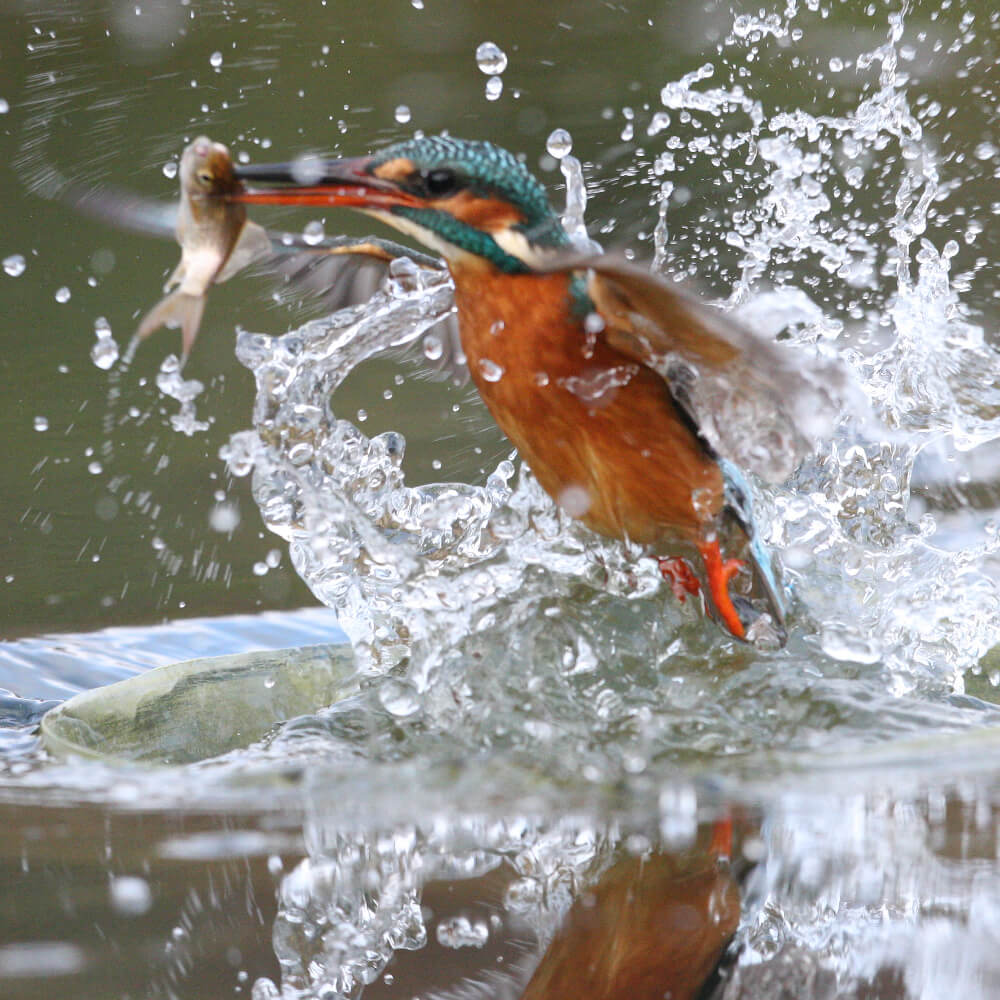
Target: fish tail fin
{"x":176,"y":309}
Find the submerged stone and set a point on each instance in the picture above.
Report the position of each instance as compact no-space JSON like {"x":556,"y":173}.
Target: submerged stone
{"x":196,"y":709}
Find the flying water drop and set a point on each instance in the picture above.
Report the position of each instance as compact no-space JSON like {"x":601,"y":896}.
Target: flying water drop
{"x":559,"y":143}
{"x":14,"y":265}
{"x":313,"y":233}
{"x":491,"y":59}
{"x":104,"y":352}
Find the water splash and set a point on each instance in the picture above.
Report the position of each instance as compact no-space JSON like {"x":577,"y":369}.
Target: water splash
{"x":170,"y":382}
{"x":926,"y":610}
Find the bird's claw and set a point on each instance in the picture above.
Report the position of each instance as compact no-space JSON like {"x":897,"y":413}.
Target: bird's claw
{"x":680,"y":576}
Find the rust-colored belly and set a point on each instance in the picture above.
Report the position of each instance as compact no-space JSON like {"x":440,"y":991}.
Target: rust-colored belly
{"x":599,"y":431}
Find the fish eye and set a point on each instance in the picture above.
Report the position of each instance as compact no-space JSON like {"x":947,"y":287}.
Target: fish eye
{"x":441,"y":181}
{"x":204,"y":176}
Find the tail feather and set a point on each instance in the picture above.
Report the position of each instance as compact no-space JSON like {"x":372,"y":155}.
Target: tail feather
{"x":176,"y":309}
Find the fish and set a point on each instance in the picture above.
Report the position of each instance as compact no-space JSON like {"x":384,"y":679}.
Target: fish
{"x":216,"y":238}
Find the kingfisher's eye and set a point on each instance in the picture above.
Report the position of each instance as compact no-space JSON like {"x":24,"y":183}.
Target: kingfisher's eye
{"x":441,"y":181}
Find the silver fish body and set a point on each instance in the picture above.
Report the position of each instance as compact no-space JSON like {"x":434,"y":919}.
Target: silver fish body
{"x":215,"y":237}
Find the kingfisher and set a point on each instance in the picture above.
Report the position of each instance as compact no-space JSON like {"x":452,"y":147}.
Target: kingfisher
{"x":585,"y":360}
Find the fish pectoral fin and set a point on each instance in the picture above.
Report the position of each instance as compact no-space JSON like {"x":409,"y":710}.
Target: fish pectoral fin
{"x":177,"y":277}
{"x":177,"y":309}
{"x":254,"y":244}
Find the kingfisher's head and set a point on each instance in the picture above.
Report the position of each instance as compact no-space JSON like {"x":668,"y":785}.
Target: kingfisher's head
{"x":461,"y":198}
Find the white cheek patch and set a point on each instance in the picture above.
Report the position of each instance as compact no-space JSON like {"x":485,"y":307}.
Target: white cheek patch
{"x":421,"y":234}
{"x":516,"y":244}
{"x":512,"y":242}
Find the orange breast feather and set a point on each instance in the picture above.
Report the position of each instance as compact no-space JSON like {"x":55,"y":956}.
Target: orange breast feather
{"x":599,"y":431}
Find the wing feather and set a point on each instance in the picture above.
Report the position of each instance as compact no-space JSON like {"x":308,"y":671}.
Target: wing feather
{"x":757,"y":402}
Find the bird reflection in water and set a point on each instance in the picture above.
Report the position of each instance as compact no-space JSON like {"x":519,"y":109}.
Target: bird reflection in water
{"x":653,"y":926}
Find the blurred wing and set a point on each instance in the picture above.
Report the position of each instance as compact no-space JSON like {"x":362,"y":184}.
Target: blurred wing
{"x":123,"y":210}
{"x":343,"y":271}
{"x":337,"y":272}
{"x":754,"y":401}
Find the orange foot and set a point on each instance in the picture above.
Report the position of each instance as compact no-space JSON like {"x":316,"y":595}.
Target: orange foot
{"x":680,"y":576}
{"x":720,"y":571}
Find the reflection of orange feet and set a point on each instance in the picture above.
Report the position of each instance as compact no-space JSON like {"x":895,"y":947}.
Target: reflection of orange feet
{"x":720,"y":571}
{"x":680,"y":576}
{"x":721,"y":844}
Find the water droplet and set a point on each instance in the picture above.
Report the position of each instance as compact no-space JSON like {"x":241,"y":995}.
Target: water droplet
{"x":264,"y":989}
{"x":170,"y":169}
{"x":104,"y":353}
{"x":433,"y":347}
{"x":63,"y":294}
{"x":131,"y":896}
{"x":491,"y":371}
{"x":314,"y":232}
{"x":14,"y":265}
{"x":494,"y":88}
{"x":273,"y":558}
{"x":986,"y":151}
{"x":4,"y":106}
{"x":95,"y":468}
{"x":842,"y":643}
{"x":103,"y":261}
{"x":417,"y":4}
{"x":575,"y":500}
{"x":300,"y":452}
{"x":399,"y":698}
{"x":215,"y":59}
{"x":307,"y":169}
{"x":559,"y":143}
{"x":490,"y":58}
{"x":403,"y":114}
{"x":260,"y":569}
{"x":224,"y":517}
{"x":460,"y":932}
{"x":41,"y":423}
